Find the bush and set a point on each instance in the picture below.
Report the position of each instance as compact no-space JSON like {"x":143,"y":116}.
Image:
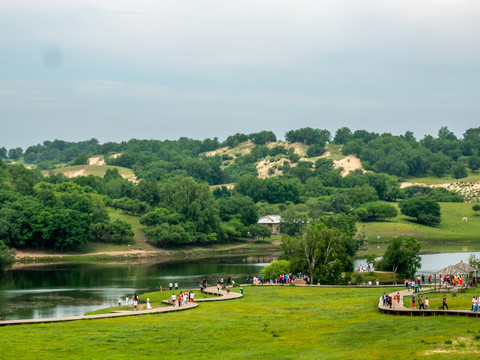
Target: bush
{"x":276,"y":268}
{"x":424,"y":209}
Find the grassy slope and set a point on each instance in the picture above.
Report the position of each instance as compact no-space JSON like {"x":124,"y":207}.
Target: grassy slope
{"x":451,"y":235}
{"x":472,"y":176}
{"x":268,"y":323}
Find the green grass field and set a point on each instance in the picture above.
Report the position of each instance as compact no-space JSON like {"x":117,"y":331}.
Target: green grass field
{"x":268,"y":322}
{"x":452,"y":234}
{"x":461,"y":300}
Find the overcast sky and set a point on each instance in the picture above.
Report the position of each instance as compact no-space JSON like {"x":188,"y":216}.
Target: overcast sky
{"x":122,"y":69}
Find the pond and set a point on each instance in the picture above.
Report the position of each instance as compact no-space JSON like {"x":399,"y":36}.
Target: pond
{"x":73,"y":289}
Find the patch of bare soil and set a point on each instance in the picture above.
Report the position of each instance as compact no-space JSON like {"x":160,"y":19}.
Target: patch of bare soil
{"x":217,"y":152}
{"x":114,"y":156}
{"x":349,"y":163}
{"x":264,"y":166}
{"x":74,"y":173}
{"x":96,"y":160}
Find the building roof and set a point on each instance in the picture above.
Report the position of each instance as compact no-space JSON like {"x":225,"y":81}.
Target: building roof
{"x":459,"y":269}
{"x":270,"y":219}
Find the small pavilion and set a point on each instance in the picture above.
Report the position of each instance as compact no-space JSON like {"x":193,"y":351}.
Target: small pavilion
{"x":460,"y":269}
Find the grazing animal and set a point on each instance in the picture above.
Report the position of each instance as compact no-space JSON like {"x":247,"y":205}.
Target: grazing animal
{"x":465,"y":219}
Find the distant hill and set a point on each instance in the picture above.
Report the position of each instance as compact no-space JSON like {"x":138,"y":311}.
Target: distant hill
{"x":271,"y":165}
{"x":97,"y":170}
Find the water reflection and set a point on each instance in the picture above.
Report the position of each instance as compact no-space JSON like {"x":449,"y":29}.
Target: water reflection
{"x":73,"y":289}
{"x":431,"y":263}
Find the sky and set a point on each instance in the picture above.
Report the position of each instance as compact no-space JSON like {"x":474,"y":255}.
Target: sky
{"x":117,"y":69}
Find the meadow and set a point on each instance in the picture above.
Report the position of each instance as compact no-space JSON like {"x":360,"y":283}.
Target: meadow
{"x":268,"y":322}
{"x":452,"y":234}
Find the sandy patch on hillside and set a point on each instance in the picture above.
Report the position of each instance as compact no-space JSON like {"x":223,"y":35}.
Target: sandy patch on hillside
{"x":264,"y":166}
{"x":74,"y":173}
{"x":349,"y":163}
{"x":96,"y":160}
{"x":114,"y":156}
{"x":470,"y":190}
{"x":217,"y":152}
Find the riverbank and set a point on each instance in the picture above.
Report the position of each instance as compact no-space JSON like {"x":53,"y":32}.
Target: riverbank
{"x":133,"y":255}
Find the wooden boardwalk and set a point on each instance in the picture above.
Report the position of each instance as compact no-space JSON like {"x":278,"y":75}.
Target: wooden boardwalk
{"x":221,"y":295}
{"x":400,"y":309}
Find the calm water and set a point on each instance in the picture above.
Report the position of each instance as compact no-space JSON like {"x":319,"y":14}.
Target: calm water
{"x":73,"y":289}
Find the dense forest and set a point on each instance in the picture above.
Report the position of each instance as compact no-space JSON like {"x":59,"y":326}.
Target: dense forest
{"x":177,"y":203}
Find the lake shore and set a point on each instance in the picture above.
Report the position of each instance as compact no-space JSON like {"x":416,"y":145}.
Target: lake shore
{"x":132,"y":255}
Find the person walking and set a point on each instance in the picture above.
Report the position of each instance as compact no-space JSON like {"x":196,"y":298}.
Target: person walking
{"x":444,"y":302}
{"x":248,"y":279}
{"x":176,"y":286}
{"x":119,"y":301}
{"x":148,"y":304}
{"x":421,"y":304}
{"x":413,"y":302}
{"x":170,"y":286}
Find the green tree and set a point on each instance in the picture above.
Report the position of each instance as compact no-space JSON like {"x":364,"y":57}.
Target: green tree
{"x":474,"y":261}
{"x":260,"y":231}
{"x":80,"y":160}
{"x":241,"y":207}
{"x":15,"y":153}
{"x":3,"y":153}
{"x":440,"y":164}
{"x":321,"y":253}
{"x":474,"y":162}
{"x":7,"y":256}
{"x":459,"y":171}
{"x":402,"y":257}
{"x":476,"y":208}
{"x":292,"y":222}
{"x":120,"y":231}
{"x":342,"y":136}
{"x":276,"y":268}
{"x":423,"y":208}
{"x":376,"y":211}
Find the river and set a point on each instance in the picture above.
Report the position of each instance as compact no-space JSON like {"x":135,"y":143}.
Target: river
{"x":74,"y":289}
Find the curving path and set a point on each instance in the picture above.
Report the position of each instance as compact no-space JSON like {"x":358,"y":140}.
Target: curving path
{"x":400,"y":309}
{"x":222,"y":295}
